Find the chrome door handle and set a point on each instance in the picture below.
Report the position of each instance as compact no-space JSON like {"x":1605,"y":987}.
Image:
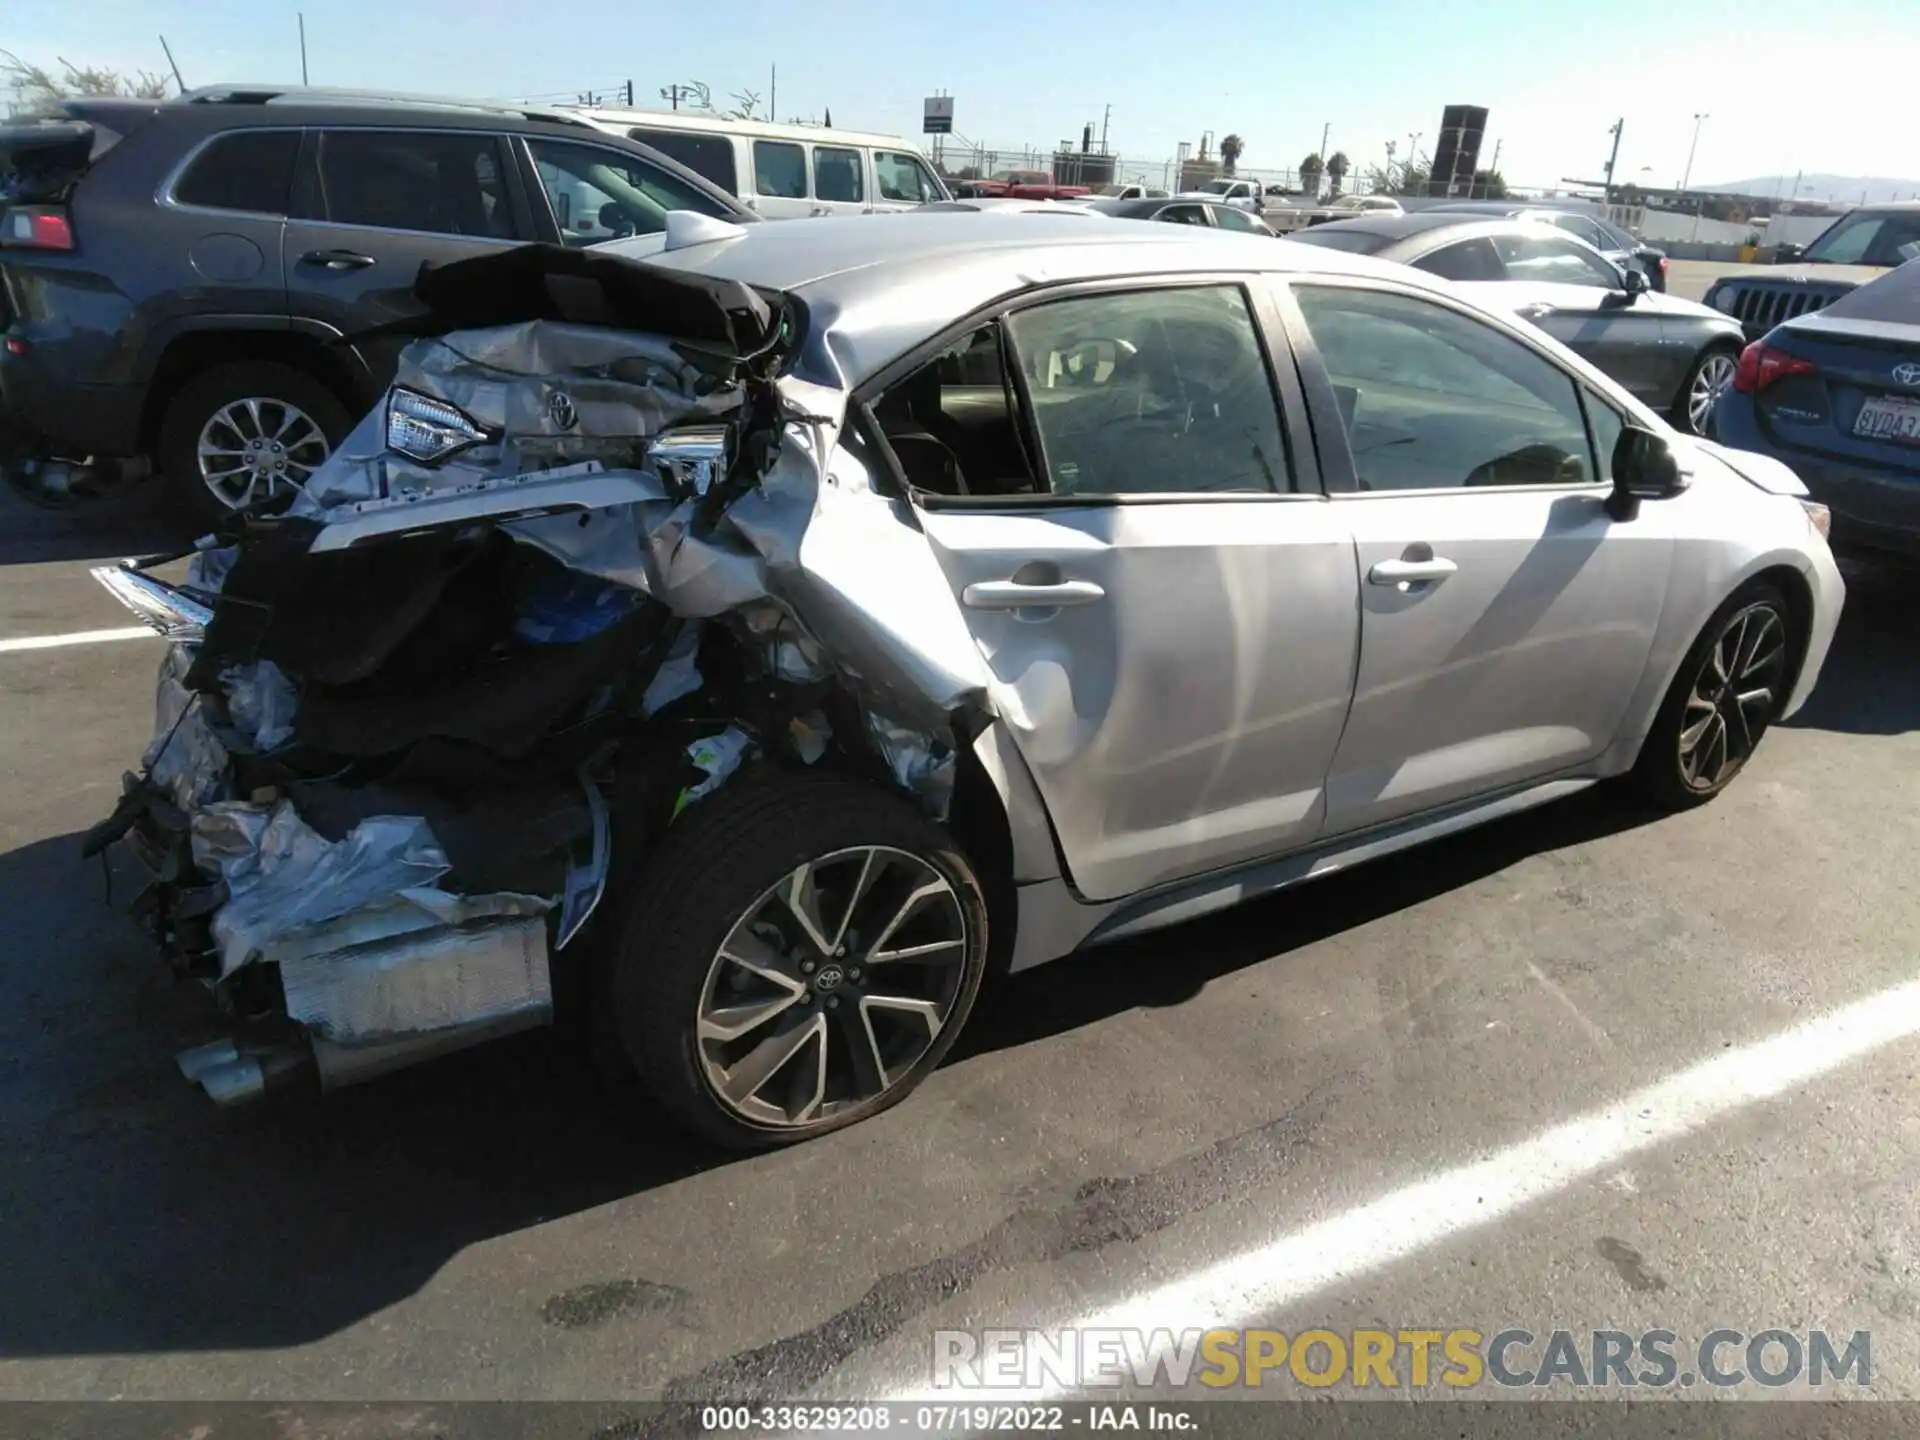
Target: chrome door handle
{"x":1406,"y":572}
{"x":336,"y":259}
{"x":1016,"y":595}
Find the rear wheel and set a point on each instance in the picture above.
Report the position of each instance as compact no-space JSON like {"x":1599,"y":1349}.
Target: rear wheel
{"x":799,"y":956}
{"x":1711,"y":374}
{"x":1728,"y":690}
{"x":247,"y":436}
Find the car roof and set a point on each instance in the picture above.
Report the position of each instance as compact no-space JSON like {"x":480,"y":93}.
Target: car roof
{"x":1144,"y":206}
{"x":601,"y":115}
{"x":1401,"y":227}
{"x":878,"y":286}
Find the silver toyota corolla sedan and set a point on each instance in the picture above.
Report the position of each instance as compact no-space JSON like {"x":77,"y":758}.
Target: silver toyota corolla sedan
{"x":741,"y":643}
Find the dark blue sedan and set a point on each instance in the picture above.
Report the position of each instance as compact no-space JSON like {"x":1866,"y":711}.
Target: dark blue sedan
{"x":1836,"y":395}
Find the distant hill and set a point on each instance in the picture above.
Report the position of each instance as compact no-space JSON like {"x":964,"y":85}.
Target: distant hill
{"x":1843,"y":188}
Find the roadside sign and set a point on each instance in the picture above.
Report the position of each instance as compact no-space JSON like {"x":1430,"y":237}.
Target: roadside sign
{"x":939,"y":115}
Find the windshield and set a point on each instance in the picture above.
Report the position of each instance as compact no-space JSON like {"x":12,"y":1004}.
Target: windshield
{"x":1217,"y":187}
{"x":1868,"y":239}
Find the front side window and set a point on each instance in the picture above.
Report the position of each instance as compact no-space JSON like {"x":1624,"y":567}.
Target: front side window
{"x":251,"y":171}
{"x":1581,"y":228}
{"x":440,"y":183}
{"x":1869,"y":240}
{"x":905,"y":178}
{"x":599,"y":194}
{"x":779,"y":170}
{"x":708,"y":156}
{"x":1183,"y":215}
{"x":1162,"y":391}
{"x":1228,"y":218}
{"x":1433,"y":399}
{"x":836,"y":175}
{"x":1549,"y":260}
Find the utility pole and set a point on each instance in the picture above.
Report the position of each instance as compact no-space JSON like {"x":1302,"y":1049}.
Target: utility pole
{"x":303,"y":47}
{"x":1697,"y":120}
{"x":173,"y":64}
{"x":1104,"y":118}
{"x":1494,"y":168}
{"x":1325,"y":130}
{"x":773,"y":92}
{"x":1618,"y":126}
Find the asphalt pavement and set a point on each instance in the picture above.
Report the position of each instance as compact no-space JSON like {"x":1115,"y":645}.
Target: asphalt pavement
{"x":1521,"y":1079}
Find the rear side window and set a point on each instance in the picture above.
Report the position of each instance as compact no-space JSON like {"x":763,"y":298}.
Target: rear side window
{"x":779,"y":169}
{"x":438,"y":183}
{"x":1469,"y":260}
{"x":250,"y":171}
{"x":708,"y":156}
{"x":836,"y":174}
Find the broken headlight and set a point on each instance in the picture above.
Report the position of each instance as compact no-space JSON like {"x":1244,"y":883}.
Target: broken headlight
{"x":427,"y":430}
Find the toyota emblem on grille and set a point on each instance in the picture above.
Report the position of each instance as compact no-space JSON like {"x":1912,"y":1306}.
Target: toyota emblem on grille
{"x":1907,"y":374}
{"x":560,"y":410}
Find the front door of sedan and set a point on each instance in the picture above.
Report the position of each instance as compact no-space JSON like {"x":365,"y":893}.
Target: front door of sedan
{"x":1506,"y":618}
{"x":1578,"y":297}
{"x":1169,"y":611}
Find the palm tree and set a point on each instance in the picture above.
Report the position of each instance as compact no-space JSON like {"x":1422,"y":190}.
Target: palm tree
{"x":1230,"y":149}
{"x":1310,"y":174}
{"x":1337,"y":167}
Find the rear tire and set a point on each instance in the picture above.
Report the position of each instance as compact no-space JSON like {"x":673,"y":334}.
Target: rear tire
{"x":1724,"y":697}
{"x":1710,"y":373}
{"x":743,"y":1027}
{"x":238,"y":412}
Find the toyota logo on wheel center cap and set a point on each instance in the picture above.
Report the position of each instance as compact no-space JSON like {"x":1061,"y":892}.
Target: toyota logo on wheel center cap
{"x":828,"y":978}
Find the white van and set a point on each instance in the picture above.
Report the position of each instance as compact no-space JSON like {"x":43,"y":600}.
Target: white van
{"x":784,"y":172}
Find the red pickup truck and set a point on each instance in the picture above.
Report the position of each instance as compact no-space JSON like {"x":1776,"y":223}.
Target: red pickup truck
{"x":1018,"y":185}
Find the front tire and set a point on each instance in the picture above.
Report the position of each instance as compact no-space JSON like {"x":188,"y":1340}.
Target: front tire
{"x":247,"y":435}
{"x":800,"y":954}
{"x":1711,"y":372}
{"x":1727,"y":692}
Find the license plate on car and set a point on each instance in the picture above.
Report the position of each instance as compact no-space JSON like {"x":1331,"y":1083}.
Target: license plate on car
{"x":1889,"y":418}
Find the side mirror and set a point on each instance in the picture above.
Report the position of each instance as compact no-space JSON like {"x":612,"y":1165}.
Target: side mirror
{"x":1644,"y":468}
{"x":1787,"y":254}
{"x":1637,"y":282}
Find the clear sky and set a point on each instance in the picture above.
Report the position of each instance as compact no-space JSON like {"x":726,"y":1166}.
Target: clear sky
{"x":1787,"y":84}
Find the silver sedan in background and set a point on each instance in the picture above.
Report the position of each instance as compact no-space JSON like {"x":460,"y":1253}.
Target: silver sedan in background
{"x":1673,"y":354}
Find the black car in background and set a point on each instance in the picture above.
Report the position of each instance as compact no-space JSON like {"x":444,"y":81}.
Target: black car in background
{"x":1185,"y":210}
{"x":1673,"y":354}
{"x":174,"y":275}
{"x":1859,"y":247}
{"x":1835,"y":394}
{"x":1626,"y":250}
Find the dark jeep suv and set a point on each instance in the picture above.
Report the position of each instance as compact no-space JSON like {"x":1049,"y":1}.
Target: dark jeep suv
{"x":175,"y":275}
{"x":1860,"y":246}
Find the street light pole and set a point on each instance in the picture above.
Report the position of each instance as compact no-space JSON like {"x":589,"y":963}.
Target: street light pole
{"x":1698,"y":120}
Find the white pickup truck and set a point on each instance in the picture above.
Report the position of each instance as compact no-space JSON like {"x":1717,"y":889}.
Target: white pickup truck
{"x":1244,"y":193}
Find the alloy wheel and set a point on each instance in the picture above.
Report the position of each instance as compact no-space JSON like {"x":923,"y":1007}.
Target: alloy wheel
{"x":1733,"y":697}
{"x":1713,"y":376}
{"x":259,"y":449}
{"x":831,"y":988}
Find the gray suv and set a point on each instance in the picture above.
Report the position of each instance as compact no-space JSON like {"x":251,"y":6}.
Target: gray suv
{"x":187,"y":283}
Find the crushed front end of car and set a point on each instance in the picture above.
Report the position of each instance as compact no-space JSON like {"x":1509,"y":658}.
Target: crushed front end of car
{"x":596,"y":554}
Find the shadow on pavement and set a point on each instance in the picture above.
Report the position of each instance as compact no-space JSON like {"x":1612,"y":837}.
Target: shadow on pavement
{"x":1870,"y":684}
{"x":137,"y":1218}
{"x":1134,"y":973}
{"x":134,"y":521}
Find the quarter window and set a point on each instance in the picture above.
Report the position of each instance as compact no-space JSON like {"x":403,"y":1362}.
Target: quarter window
{"x":905,"y":178}
{"x":1433,"y":399}
{"x":1162,"y":391}
{"x":779,"y":169}
{"x":1229,"y":218}
{"x":440,"y":183}
{"x":251,"y":171}
{"x":1183,"y":215}
{"x":1467,"y":260}
{"x":836,"y":175}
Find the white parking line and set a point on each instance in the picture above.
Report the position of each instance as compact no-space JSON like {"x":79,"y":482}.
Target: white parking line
{"x":78,"y":637}
{"x":1258,"y":1283}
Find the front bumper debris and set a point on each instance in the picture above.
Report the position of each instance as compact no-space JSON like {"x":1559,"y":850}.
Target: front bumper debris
{"x":403,"y":730}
